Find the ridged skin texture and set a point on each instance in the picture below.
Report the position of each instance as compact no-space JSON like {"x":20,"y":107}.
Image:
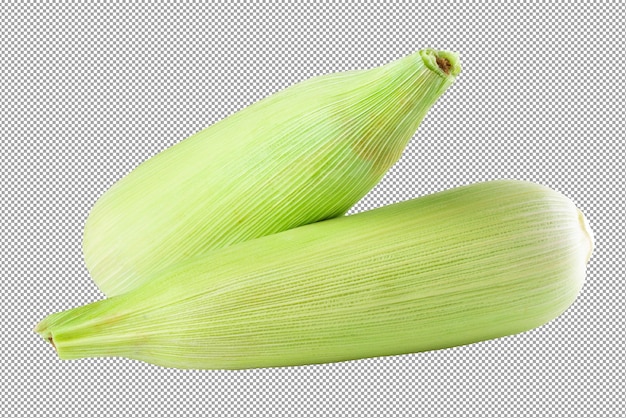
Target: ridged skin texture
{"x":305,"y":154}
{"x":453,"y":268}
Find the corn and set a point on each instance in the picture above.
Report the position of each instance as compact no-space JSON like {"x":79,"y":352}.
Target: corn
{"x":305,"y":154}
{"x":453,"y":268}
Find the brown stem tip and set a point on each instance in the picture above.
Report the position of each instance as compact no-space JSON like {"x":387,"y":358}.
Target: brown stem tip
{"x":444,"y":64}
{"x":51,"y":341}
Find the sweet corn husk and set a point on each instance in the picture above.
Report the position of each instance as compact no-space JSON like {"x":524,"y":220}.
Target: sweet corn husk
{"x":453,"y":268}
{"x":305,"y":154}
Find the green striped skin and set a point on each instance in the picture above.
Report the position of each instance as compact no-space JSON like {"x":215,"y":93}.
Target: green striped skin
{"x":305,"y":154}
{"x":453,"y":268}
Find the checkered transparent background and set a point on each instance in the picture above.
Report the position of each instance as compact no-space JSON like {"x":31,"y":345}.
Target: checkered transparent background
{"x":90,"y":91}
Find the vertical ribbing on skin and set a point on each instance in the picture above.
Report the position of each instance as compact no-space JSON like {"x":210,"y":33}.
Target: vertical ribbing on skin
{"x":305,"y":154}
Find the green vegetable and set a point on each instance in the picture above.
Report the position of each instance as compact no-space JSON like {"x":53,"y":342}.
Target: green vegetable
{"x":457,"y":267}
{"x":305,"y":154}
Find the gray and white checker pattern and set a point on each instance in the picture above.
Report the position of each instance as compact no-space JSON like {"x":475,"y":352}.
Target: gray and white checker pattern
{"x":89,"y":91}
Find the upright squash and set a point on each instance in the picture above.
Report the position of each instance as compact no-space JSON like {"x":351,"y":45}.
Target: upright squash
{"x":302,"y":155}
